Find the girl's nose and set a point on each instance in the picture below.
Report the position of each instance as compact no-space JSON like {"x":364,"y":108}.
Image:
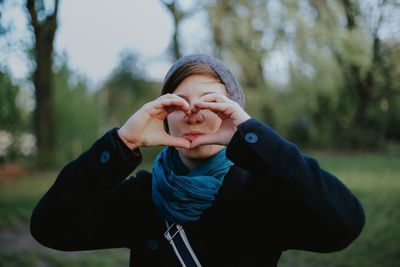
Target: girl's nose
{"x":195,"y":116}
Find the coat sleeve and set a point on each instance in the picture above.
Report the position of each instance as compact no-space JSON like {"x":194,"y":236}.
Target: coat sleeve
{"x":315,"y":210}
{"x":86,"y":207}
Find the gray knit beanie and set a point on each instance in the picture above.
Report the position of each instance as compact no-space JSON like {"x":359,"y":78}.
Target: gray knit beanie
{"x":232,"y":85}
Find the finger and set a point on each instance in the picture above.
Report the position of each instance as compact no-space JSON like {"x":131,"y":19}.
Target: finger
{"x":172,"y":96}
{"x":175,"y":101}
{"x":172,"y":102}
{"x":175,"y":96}
{"x":173,"y":108}
{"x":207,"y":139}
{"x":176,"y":141}
{"x":206,"y":98}
{"x":224,"y":108}
{"x":215,"y":97}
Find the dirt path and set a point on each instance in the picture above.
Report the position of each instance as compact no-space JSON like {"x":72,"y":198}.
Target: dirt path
{"x":20,"y":242}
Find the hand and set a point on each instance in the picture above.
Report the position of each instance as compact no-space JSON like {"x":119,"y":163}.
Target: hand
{"x":231,"y":114}
{"x":145,"y":126}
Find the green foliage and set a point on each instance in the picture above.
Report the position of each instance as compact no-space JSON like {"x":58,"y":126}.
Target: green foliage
{"x":342,"y":87}
{"x":10,"y":116}
{"x":125,"y":91}
{"x":388,"y":101}
{"x":77,"y":115}
{"x":343,"y":79}
{"x":11,"y":121}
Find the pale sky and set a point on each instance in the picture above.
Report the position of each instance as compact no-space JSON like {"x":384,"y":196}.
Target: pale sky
{"x":93,"y":33}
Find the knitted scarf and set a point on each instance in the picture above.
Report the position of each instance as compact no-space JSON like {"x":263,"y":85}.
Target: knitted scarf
{"x":180,"y":194}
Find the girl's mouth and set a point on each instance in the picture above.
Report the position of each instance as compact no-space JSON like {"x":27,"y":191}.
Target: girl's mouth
{"x":191,"y":137}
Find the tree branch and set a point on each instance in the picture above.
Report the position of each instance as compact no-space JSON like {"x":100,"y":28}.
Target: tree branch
{"x":30,"y":5}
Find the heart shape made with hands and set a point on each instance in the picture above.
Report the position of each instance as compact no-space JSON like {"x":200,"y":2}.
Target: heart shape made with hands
{"x":145,"y":127}
{"x":221,"y":137}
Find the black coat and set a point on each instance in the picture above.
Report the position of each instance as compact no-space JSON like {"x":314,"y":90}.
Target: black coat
{"x":274,"y":198}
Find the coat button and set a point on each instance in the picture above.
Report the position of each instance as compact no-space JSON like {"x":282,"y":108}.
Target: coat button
{"x":104,"y":157}
{"x":152,"y":245}
{"x":251,"y":138}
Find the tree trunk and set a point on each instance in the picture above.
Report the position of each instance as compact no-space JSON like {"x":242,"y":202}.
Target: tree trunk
{"x":235,"y":37}
{"x":216,"y":17}
{"x":362,"y":87}
{"x":177,"y":16}
{"x":44,"y":111}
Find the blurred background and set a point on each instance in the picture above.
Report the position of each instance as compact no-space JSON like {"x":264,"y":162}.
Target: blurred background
{"x":324,"y":74}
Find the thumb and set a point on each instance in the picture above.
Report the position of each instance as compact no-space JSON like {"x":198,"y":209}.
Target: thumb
{"x":176,"y":141}
{"x":207,"y":139}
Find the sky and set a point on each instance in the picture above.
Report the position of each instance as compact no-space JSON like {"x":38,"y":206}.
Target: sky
{"x":93,"y":33}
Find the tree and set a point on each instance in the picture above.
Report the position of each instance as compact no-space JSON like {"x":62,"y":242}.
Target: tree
{"x":78,"y":118}
{"x":44,"y":24}
{"x":9,"y":112}
{"x":360,"y":50}
{"x":10,"y":117}
{"x":178,"y":15}
{"x":125,"y":91}
{"x":237,"y":29}
{"x":341,"y":70}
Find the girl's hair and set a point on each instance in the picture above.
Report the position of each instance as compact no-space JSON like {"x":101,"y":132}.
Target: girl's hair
{"x":181,"y":73}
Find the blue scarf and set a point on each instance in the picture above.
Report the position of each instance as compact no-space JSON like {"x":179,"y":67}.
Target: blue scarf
{"x":180,"y":194}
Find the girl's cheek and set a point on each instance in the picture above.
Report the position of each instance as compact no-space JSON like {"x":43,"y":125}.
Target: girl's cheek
{"x":213,"y":120}
{"x":175,"y":119}
{"x":176,"y":115}
{"x":210,"y":115}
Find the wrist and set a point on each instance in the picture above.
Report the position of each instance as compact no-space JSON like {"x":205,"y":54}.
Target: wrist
{"x":132,"y":146}
{"x":243,"y":118}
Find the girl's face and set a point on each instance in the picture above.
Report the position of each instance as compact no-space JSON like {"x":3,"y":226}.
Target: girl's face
{"x":203,"y":122}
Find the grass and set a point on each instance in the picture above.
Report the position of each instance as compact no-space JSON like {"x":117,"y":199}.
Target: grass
{"x":34,"y":257}
{"x":374,"y":178}
{"x":18,"y":196}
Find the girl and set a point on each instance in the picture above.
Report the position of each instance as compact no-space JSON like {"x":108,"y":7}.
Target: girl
{"x":226,"y":190}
